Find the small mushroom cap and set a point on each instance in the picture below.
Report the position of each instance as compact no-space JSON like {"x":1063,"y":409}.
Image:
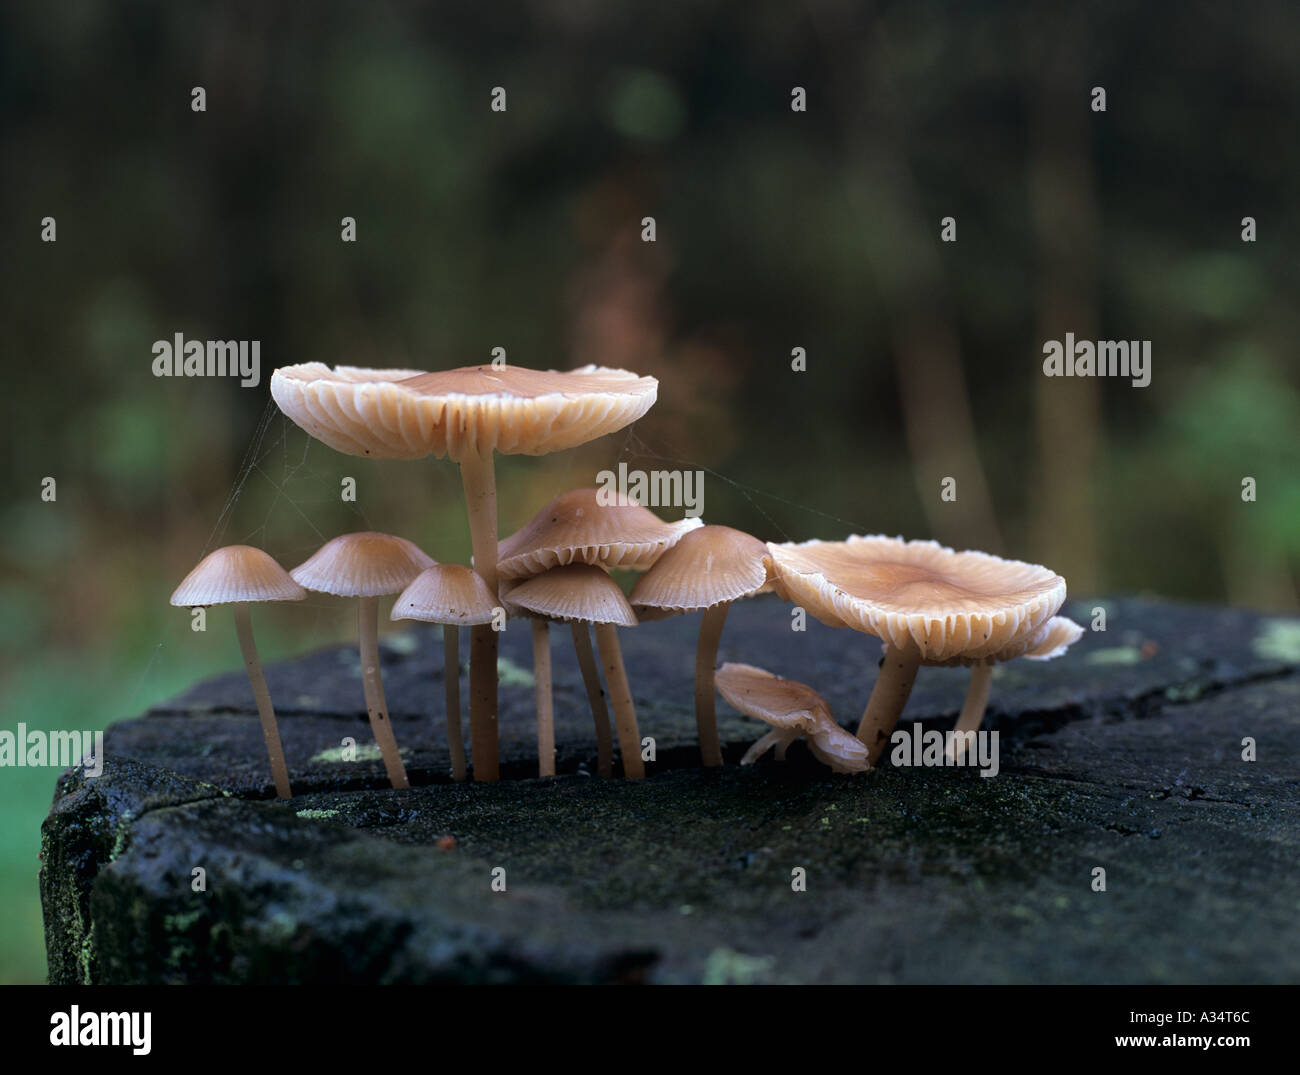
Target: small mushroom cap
{"x":589,"y":526}
{"x":1060,"y":634}
{"x":365,"y":564}
{"x":574,"y":592}
{"x":236,"y":573}
{"x":409,"y":414}
{"x":706,"y":567}
{"x":843,"y":752}
{"x":793,"y":707}
{"x":450,"y":594}
{"x":783,"y":703}
{"x":920,"y":595}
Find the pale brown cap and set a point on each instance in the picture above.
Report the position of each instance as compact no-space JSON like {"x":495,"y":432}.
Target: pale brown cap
{"x":919,"y":594}
{"x":408,"y":414}
{"x":574,"y":592}
{"x":792,"y":707}
{"x":783,"y":703}
{"x":450,"y":594}
{"x":236,"y":573}
{"x":706,"y":567}
{"x":364,"y":564}
{"x":589,"y":526}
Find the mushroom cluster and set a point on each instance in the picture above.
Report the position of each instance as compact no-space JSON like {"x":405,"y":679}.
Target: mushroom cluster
{"x":927,"y":604}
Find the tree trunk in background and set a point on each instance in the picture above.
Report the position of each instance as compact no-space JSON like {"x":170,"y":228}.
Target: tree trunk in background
{"x":1063,"y":512}
{"x":938,"y":422}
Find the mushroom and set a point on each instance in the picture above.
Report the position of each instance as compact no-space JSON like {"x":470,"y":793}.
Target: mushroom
{"x":1051,"y":640}
{"x":579,"y":527}
{"x":586,"y":526}
{"x":925,"y":601}
{"x":581,"y":593}
{"x":454,"y":596}
{"x":793,"y":709}
{"x":368,"y":566}
{"x":239,"y":575}
{"x":465,"y":415}
{"x":707,"y":569}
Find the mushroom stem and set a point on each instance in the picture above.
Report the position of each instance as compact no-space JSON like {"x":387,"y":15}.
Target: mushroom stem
{"x":706,"y":656}
{"x":545,"y":704}
{"x":972,"y":710}
{"x":888,"y":697}
{"x":270,"y":730}
{"x":451,"y":680}
{"x":775,"y":738}
{"x":596,"y":695}
{"x":478,"y":474}
{"x":629,"y":738}
{"x":373,"y":683}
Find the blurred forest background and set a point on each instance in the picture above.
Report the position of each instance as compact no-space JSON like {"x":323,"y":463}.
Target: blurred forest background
{"x":776,"y":230}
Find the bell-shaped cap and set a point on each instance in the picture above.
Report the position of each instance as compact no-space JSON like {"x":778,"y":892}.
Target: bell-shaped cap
{"x":450,"y":594}
{"x":573,"y":593}
{"x":236,"y":573}
{"x":409,"y":414}
{"x":589,"y":526}
{"x":793,"y":709}
{"x":706,"y":567}
{"x":919,"y":595}
{"x":365,"y":564}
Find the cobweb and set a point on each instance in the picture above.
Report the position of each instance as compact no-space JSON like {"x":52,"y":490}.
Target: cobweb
{"x":290,"y":466}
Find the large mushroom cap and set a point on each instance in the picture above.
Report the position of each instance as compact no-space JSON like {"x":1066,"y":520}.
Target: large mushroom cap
{"x":365,"y":564}
{"x":782,"y":703}
{"x":588,"y":526}
{"x":450,"y":594}
{"x":706,"y":567}
{"x":919,"y":594}
{"x":408,"y":414}
{"x":575,"y":592}
{"x":236,"y":573}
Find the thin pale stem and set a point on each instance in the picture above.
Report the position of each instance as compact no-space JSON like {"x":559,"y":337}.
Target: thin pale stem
{"x":775,"y":738}
{"x":620,"y":696}
{"x":596,"y":695}
{"x":270,"y":730}
{"x":545,"y":703}
{"x":478,"y":474}
{"x":451,"y":680}
{"x":373,"y":683}
{"x":706,"y":656}
{"x":888,"y":697}
{"x":972,"y":710}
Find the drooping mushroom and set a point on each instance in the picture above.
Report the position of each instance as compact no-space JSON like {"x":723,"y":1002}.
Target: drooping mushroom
{"x":466,"y":415}
{"x":793,"y":709}
{"x":706,"y":570}
{"x":239,"y":575}
{"x":585,"y":526}
{"x":454,"y":596}
{"x":925,"y":601}
{"x":586,"y":594}
{"x":368,"y":566}
{"x":1051,"y":640}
